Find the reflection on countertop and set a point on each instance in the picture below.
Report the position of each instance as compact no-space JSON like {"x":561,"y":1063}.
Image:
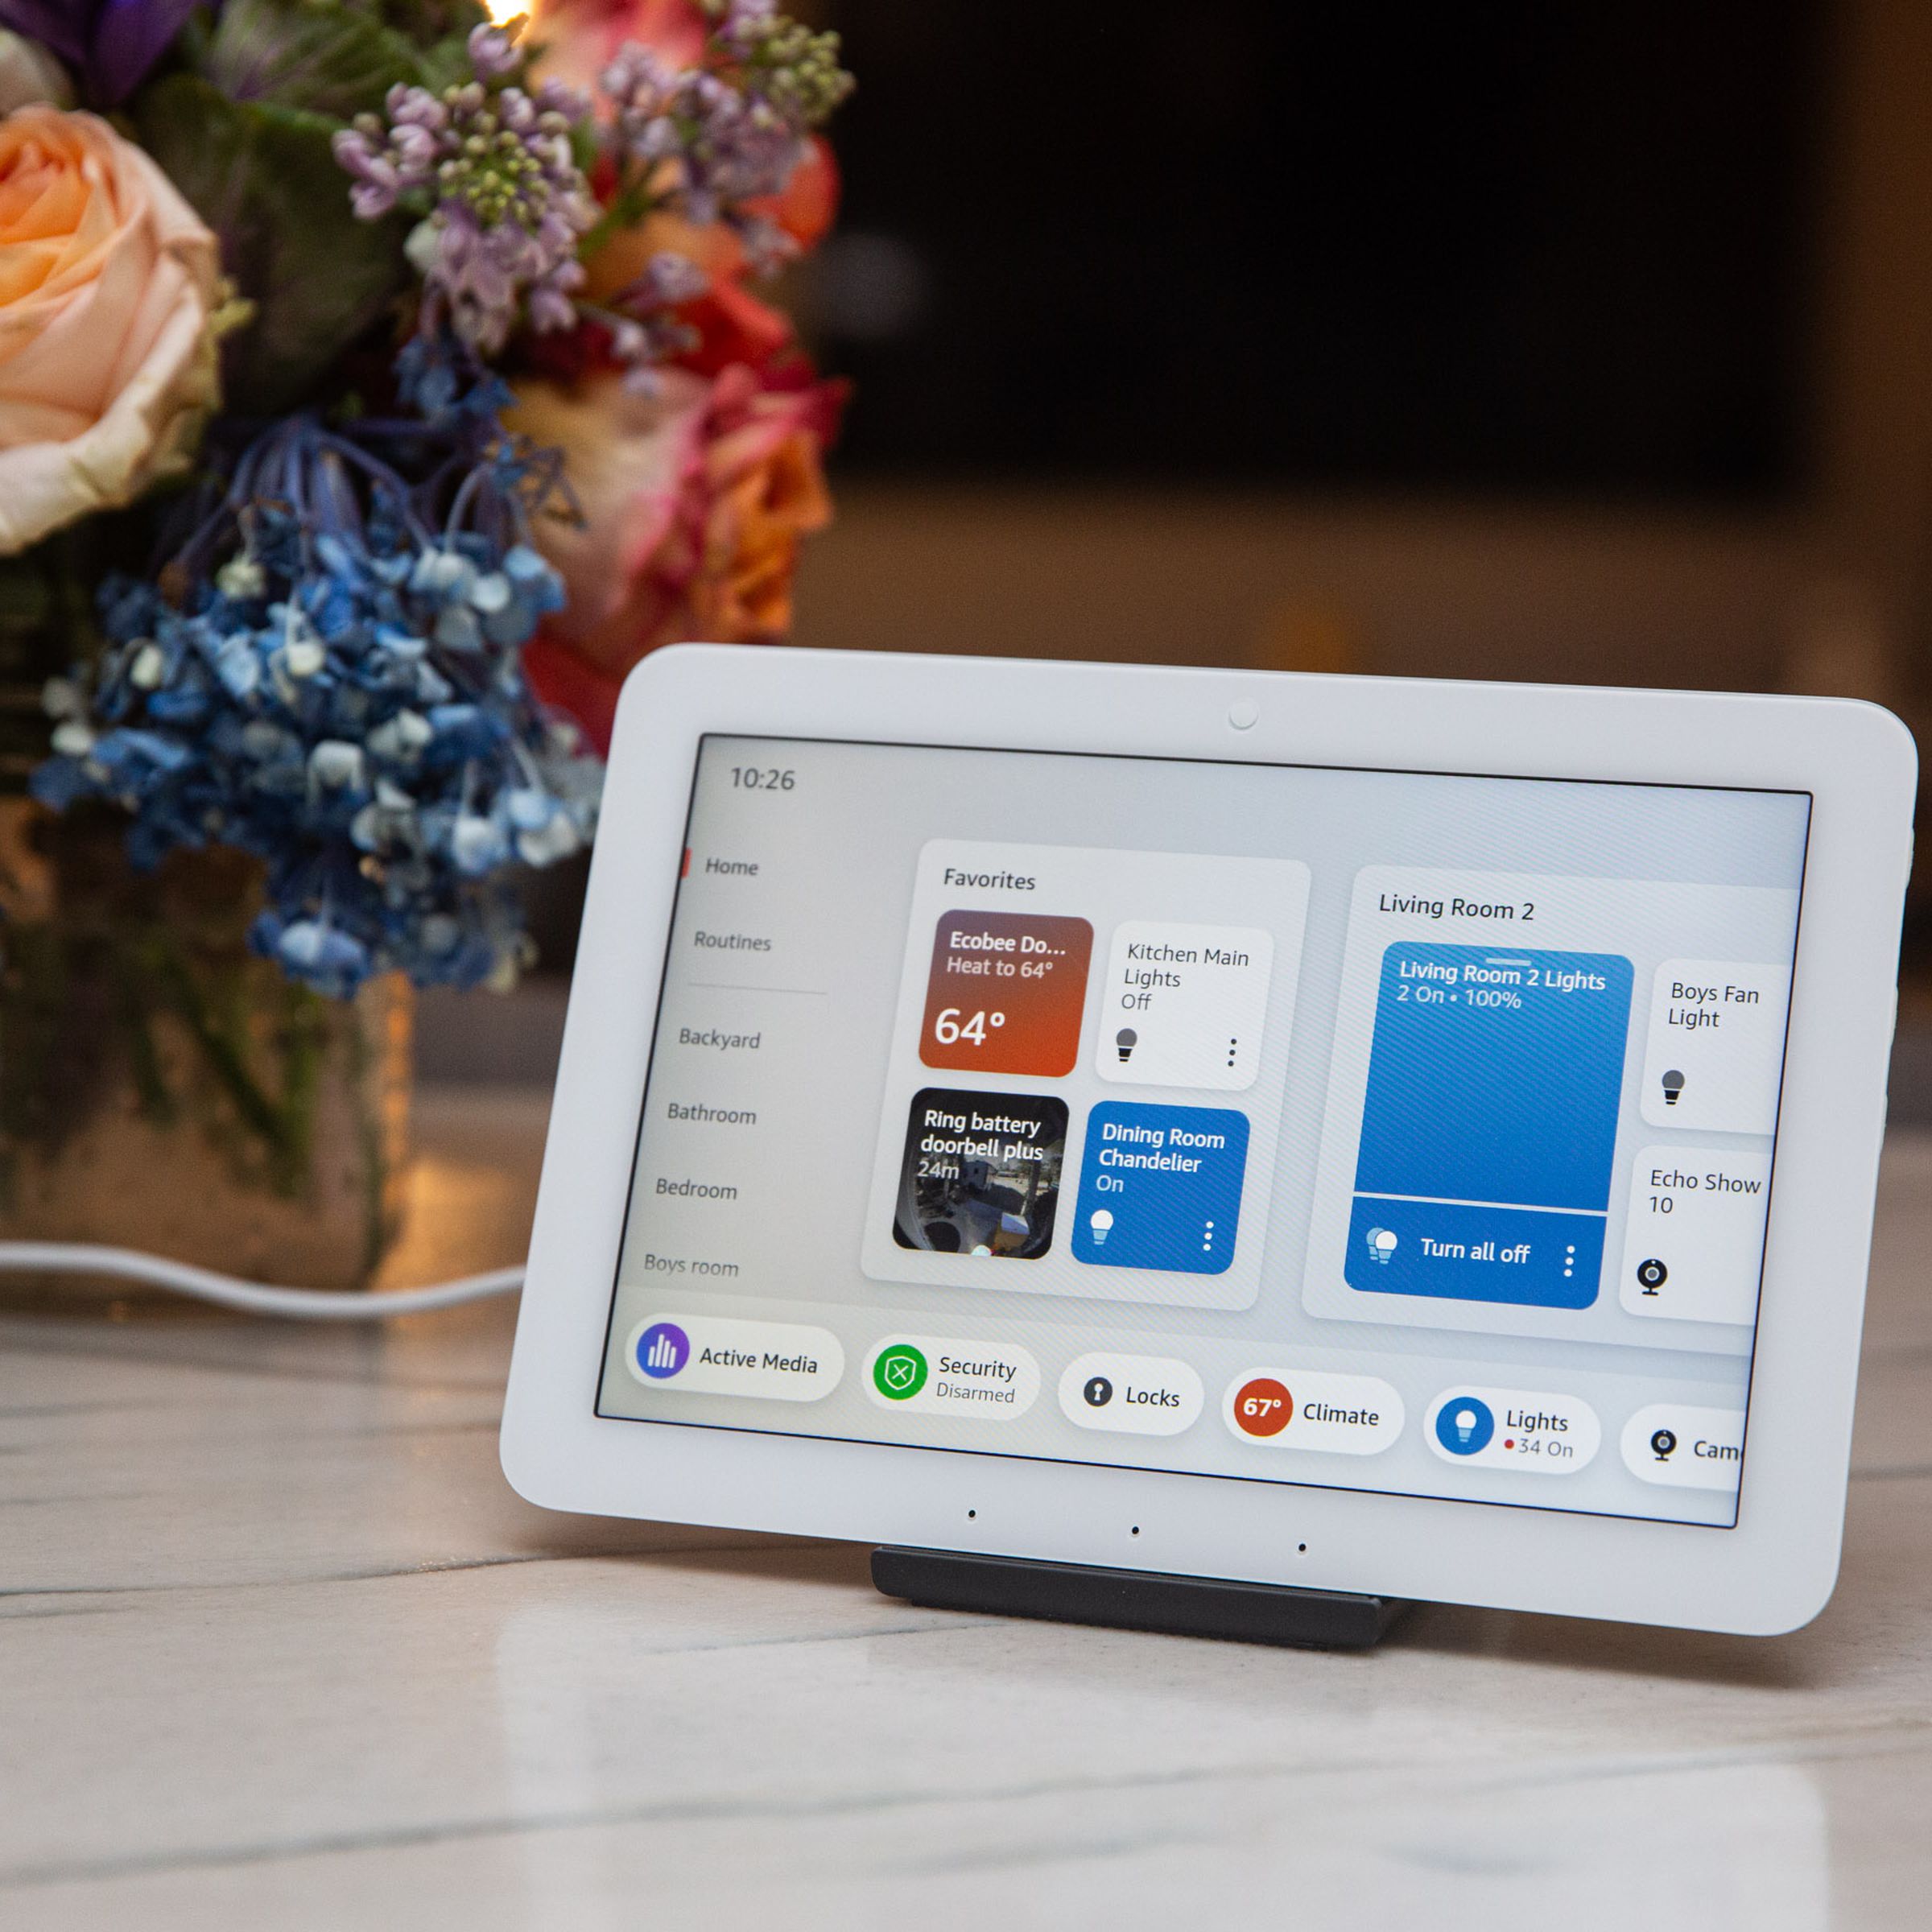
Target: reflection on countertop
{"x":282,"y":1648}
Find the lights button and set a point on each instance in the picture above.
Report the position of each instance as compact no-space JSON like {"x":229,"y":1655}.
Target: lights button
{"x":1132,"y":1394}
{"x":1521,"y":1429}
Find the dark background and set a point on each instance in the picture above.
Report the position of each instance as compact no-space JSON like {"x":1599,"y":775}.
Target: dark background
{"x":1503,"y":248}
{"x":1559,"y":343}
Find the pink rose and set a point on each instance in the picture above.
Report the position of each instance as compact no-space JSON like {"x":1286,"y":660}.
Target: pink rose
{"x":695,"y":502}
{"x":109,"y":285}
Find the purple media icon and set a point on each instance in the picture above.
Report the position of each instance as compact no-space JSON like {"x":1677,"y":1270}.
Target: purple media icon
{"x":663,"y":1349}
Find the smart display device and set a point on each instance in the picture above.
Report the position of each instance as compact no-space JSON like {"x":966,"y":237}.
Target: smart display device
{"x":1383,"y":1136}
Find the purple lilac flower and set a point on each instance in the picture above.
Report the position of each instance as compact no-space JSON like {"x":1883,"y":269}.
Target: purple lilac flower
{"x":642,"y":319}
{"x":782,"y":62}
{"x":492,"y":52}
{"x":111,"y":45}
{"x":507,"y":201}
{"x":720,"y":147}
{"x":716,"y":138}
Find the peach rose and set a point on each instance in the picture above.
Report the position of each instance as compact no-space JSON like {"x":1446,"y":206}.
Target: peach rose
{"x":695,"y":502}
{"x":110,"y":288}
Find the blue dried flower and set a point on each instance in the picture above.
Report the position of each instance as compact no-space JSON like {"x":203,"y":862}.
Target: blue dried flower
{"x":343,"y":696}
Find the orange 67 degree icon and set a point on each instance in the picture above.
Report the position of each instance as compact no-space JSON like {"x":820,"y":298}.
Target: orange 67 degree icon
{"x":1263,"y":1406}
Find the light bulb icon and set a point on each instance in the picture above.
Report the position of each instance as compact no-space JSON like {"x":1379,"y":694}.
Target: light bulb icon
{"x":1381,"y":1244}
{"x":1674,"y":1085}
{"x":1126,"y":1040}
{"x":1464,"y":1425}
{"x":1098,"y":1223}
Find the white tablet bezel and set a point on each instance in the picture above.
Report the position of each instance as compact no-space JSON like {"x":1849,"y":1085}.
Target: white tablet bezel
{"x":1773,"y":1571}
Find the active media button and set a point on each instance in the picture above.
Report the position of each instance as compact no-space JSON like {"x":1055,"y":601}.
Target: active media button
{"x":1307,"y":1409}
{"x":927,"y":1375}
{"x":713,"y":1354}
{"x":1131,"y":1394}
{"x":1683,"y":1447}
{"x":1513,"y":1429}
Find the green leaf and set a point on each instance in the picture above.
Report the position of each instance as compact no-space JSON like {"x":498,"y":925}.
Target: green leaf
{"x":336,"y":57}
{"x":263,"y":176}
{"x":428,"y":20}
{"x":319,"y":56}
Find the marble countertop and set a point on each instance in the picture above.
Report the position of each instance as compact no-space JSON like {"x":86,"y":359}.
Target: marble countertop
{"x":281,"y":1648}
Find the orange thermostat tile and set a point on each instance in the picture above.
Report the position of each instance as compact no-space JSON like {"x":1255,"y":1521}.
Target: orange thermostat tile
{"x":1006,"y":993}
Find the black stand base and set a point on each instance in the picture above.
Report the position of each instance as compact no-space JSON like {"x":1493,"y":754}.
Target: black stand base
{"x":1134,"y":1599}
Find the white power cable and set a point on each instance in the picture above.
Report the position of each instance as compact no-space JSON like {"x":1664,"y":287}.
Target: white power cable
{"x":301,"y":1304}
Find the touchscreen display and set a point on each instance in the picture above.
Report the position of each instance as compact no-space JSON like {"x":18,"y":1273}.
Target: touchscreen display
{"x":1394,"y":1131}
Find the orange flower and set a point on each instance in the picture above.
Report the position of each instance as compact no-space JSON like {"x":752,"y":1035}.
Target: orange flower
{"x":768,"y":493}
{"x":110,"y":311}
{"x":695,"y":500}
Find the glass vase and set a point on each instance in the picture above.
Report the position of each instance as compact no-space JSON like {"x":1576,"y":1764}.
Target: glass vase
{"x":163,"y":1088}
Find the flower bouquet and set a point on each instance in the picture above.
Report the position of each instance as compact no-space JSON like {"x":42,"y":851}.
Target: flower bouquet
{"x":377,"y":384}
